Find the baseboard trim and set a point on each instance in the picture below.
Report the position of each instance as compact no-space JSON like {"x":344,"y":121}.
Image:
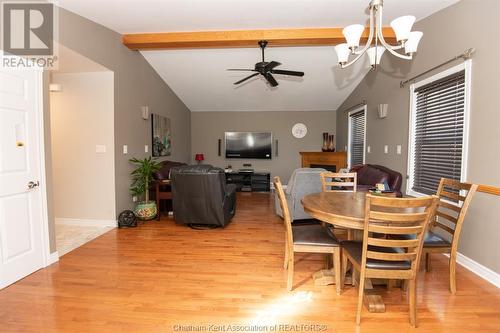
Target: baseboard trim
{"x":53,"y":258}
{"x":86,"y":222}
{"x":482,"y":271}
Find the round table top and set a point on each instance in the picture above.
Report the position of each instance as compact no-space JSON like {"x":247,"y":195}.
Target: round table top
{"x":343,"y":209}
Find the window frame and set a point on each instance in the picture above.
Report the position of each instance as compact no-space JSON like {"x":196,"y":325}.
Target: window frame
{"x":349,"y":137}
{"x":466,"y":66}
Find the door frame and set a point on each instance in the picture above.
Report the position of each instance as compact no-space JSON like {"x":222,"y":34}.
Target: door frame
{"x":48,"y":257}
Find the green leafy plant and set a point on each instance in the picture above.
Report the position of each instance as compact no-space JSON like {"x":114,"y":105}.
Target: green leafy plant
{"x":142,"y":176}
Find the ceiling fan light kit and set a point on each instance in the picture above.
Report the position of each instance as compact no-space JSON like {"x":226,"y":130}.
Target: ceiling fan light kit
{"x":266,"y":69}
{"x":407,"y":40}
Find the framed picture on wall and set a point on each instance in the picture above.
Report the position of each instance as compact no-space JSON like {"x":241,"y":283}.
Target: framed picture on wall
{"x":161,"y":136}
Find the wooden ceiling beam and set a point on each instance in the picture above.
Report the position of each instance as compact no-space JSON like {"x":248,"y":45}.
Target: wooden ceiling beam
{"x":241,"y":38}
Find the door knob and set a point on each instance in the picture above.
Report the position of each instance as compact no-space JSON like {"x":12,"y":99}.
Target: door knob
{"x":32,"y":185}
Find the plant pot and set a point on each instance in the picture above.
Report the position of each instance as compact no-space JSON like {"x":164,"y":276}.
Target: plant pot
{"x":146,"y":210}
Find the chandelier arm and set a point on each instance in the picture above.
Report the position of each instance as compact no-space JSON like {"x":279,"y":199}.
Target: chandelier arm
{"x":396,"y":47}
{"x":347,"y":64}
{"x":372,"y":33}
{"x":389,"y":47}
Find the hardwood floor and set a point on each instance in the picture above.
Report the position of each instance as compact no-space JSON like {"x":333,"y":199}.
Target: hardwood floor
{"x":159,"y":275}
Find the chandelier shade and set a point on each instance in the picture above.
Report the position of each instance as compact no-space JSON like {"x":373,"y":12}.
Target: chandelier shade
{"x":411,"y":44}
{"x":342,"y":53}
{"x":352,"y":34}
{"x":375,"y":54}
{"x":402,"y":27}
{"x":376,"y":45}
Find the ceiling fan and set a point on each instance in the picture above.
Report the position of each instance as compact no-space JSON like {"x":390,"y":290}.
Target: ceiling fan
{"x":266,"y":69}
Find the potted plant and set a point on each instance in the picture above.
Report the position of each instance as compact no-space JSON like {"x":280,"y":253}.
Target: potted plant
{"x":142,"y":176}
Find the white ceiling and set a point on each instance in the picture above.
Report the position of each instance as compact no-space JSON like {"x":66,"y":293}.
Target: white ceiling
{"x":200,"y":79}
{"x":198,"y":76}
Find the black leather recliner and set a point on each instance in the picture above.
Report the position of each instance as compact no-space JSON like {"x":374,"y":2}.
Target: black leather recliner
{"x":201,"y":197}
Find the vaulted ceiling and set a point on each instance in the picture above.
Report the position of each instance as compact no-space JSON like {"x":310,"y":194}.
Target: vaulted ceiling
{"x":198,"y":76}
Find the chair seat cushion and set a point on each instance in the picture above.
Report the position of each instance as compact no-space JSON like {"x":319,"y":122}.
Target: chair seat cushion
{"x":355,"y":250}
{"x":315,"y":235}
{"x":434,"y":240}
{"x":431,"y":240}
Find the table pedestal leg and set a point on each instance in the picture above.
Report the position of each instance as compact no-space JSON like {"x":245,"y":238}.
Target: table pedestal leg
{"x":372,"y":300}
{"x":324,"y":277}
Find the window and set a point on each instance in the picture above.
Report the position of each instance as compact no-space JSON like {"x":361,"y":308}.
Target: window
{"x":357,"y":137}
{"x":438,"y":130}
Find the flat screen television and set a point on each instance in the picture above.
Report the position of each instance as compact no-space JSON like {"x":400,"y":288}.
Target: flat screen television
{"x":249,"y":145}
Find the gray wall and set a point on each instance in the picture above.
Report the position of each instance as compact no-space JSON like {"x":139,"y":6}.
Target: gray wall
{"x":446,"y":34}
{"x":135,"y":84}
{"x":208,"y":127}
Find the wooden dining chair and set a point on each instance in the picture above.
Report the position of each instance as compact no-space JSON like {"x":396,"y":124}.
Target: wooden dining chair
{"x":455,"y":198}
{"x":340,"y":182}
{"x":334,"y":182}
{"x":386,"y":258}
{"x":308,"y":239}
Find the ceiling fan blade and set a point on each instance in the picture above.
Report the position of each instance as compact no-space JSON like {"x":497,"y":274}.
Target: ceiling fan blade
{"x":271,"y":65}
{"x":285,"y":72}
{"x":241,"y":69}
{"x":272,"y":81}
{"x":247,"y":78}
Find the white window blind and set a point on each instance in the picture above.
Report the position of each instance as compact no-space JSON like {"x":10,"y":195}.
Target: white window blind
{"x":356,"y":138}
{"x":438,"y":133}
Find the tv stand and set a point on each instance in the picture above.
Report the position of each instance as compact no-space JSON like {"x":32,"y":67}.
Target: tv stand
{"x":250,"y":181}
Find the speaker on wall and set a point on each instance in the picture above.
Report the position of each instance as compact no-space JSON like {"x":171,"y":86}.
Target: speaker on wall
{"x":219,"y":147}
{"x":276,"y":148}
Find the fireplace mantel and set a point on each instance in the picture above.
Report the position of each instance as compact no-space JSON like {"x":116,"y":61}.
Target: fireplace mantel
{"x":336,"y":159}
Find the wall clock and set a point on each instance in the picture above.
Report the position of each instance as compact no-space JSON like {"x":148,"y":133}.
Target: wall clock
{"x":299,"y":130}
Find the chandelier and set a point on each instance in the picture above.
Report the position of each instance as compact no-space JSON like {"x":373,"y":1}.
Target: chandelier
{"x":407,"y":40}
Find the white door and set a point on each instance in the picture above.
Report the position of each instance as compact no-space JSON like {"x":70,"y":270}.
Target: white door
{"x":21,"y":217}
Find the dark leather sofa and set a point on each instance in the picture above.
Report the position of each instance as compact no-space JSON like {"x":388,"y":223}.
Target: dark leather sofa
{"x":164,"y":172}
{"x":201,"y":197}
{"x":371,"y":174}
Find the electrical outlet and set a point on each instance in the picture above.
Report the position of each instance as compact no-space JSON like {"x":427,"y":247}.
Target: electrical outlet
{"x":134,"y":198}
{"x":369,"y":149}
{"x":398,"y":149}
{"x":146,"y":148}
{"x":125,"y":149}
{"x":386,"y":149}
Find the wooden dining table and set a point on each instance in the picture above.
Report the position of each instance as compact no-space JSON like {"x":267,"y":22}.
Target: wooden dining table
{"x":345,"y":210}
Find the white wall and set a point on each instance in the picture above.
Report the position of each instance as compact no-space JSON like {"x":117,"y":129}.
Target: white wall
{"x":81,"y":118}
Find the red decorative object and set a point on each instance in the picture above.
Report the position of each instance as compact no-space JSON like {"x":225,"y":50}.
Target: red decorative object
{"x":199,"y":157}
